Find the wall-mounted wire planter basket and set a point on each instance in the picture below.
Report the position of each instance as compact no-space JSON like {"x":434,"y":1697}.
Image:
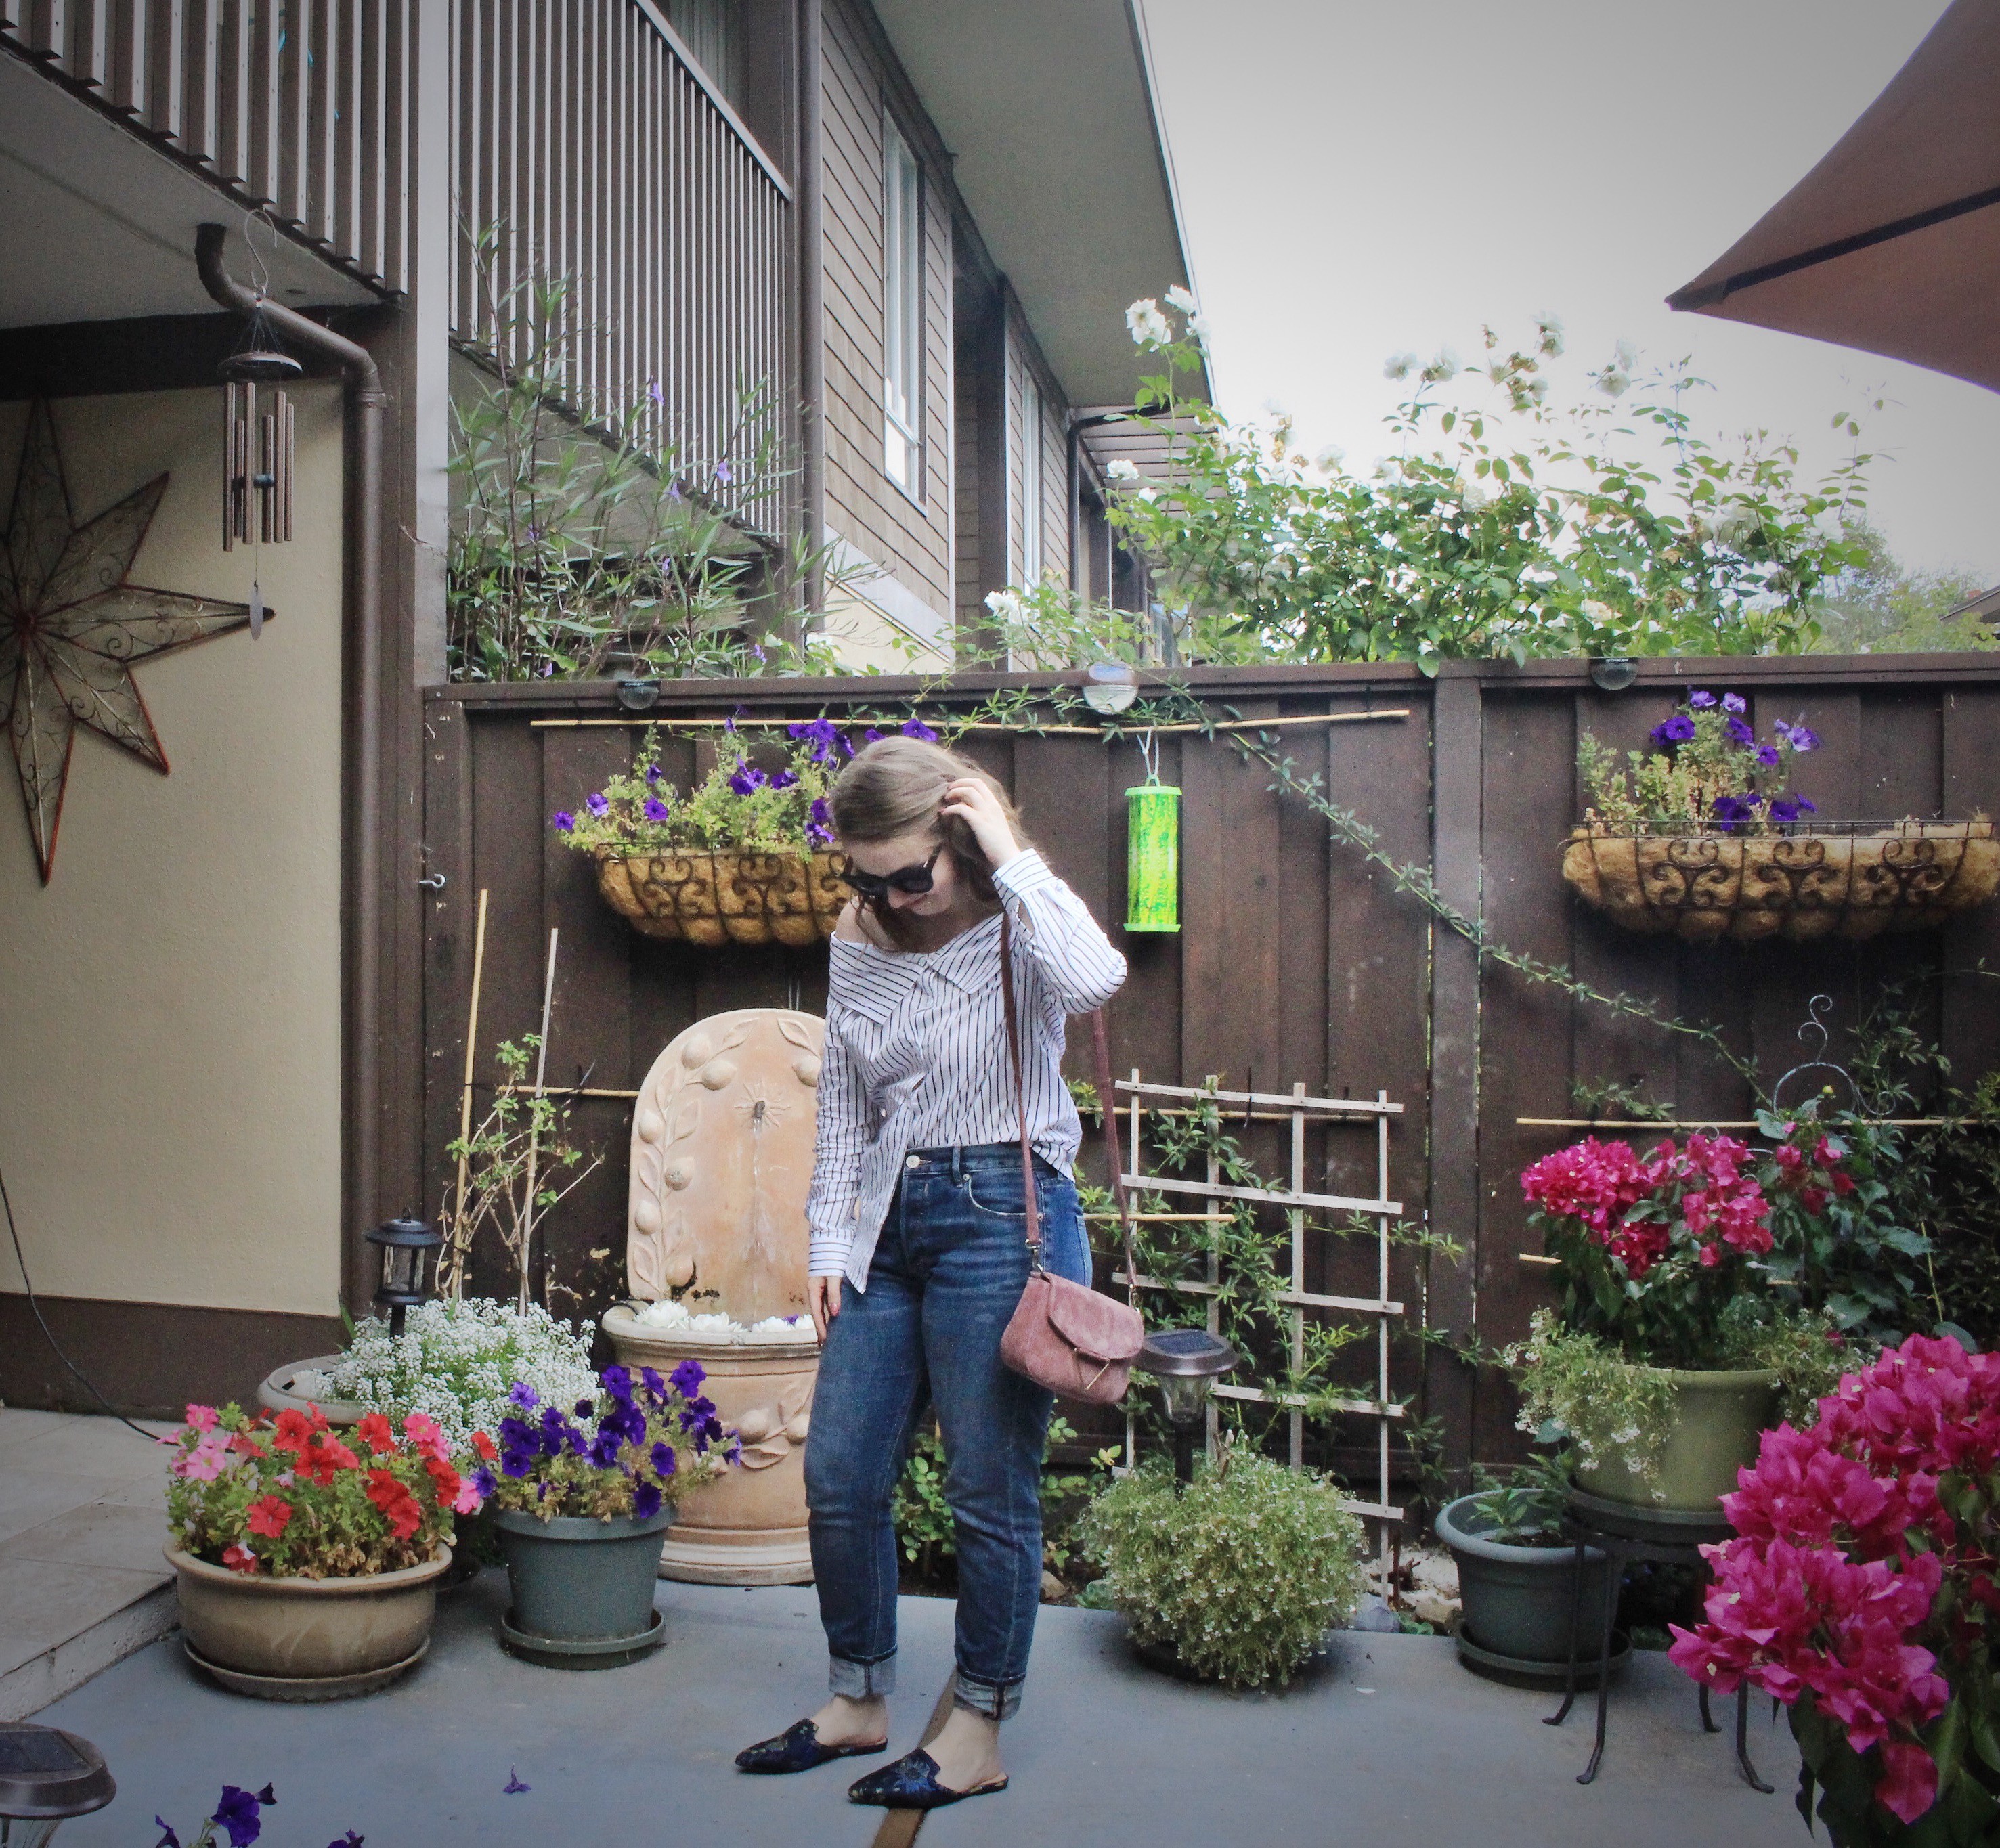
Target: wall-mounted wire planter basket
{"x":1851,"y":879}
{"x":710,"y":899}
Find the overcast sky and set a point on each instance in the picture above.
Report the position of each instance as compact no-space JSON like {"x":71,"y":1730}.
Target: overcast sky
{"x":1357,"y":180}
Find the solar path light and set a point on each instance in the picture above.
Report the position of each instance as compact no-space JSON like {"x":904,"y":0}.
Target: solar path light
{"x":409,"y":1248}
{"x":1187,"y":1362}
{"x":45,"y":1775}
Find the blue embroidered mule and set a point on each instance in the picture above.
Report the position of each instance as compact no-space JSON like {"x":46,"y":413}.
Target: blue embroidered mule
{"x":797,"y":1749}
{"x":911,"y":1783}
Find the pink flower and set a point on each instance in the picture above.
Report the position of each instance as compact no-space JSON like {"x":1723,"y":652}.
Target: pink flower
{"x":428,"y":1435}
{"x":206,"y":1460}
{"x":468,"y":1501}
{"x":202,"y":1418}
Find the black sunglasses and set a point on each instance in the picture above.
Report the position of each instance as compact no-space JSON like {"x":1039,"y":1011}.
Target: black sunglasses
{"x":915,"y":880}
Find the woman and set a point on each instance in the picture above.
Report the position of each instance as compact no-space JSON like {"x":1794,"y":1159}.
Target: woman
{"x":919,"y":1255}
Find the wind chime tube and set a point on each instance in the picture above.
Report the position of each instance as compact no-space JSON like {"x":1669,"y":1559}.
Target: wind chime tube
{"x":1153,"y":858}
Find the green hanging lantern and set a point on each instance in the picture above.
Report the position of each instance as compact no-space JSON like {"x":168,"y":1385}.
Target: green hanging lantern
{"x":1153,"y":858}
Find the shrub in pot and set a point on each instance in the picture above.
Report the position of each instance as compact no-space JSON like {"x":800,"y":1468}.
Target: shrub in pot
{"x":581,"y":1499}
{"x":307,"y":1560}
{"x":1861,"y":1591}
{"x":1517,"y":1575}
{"x":1236,"y":1578}
{"x":1676,"y":1335}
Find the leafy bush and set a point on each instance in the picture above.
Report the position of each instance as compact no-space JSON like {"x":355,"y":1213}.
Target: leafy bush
{"x":455,"y":1362}
{"x":1242,"y":1573}
{"x":925,"y":1529}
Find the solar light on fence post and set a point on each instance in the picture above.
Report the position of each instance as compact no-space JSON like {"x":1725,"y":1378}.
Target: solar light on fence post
{"x":1109,"y":686}
{"x":409,"y":1248}
{"x":1187,"y":1362}
{"x":47,"y":1774}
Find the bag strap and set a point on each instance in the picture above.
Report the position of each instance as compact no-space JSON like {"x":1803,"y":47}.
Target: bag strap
{"x":1020,"y":1091}
{"x":1107,"y":1095}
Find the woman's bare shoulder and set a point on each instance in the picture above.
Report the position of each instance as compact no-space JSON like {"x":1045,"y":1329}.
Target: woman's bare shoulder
{"x":857,"y":925}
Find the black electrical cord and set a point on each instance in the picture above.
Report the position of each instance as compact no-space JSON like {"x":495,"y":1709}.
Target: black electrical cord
{"x":35,"y":1309}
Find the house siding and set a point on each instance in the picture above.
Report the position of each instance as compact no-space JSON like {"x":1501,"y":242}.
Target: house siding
{"x":1024,"y":365}
{"x":912,"y":538}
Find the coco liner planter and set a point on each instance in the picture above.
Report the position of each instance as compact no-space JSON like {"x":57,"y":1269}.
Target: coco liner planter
{"x":582,"y":1588}
{"x":1519,"y":1602}
{"x":306,"y":1639}
{"x":709,"y":899}
{"x":1854,"y":883}
{"x":1717,"y":1419}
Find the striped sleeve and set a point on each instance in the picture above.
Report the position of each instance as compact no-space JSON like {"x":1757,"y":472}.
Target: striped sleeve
{"x":841,"y":1134}
{"x":1073,"y":956}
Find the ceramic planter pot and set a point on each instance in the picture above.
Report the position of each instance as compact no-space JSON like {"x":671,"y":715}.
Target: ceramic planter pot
{"x":275,"y":1393}
{"x":582,"y":1588}
{"x":1913,"y":876}
{"x":723,"y":897}
{"x":1520,"y":1601}
{"x":1717,"y":1419}
{"x":306,"y":1639}
{"x":749,"y":1526}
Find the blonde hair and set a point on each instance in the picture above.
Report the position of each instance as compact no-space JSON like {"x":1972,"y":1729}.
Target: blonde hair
{"x":897,"y":786}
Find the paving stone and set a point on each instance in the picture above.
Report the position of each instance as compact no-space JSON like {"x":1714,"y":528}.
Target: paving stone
{"x":28,"y":1497}
{"x":100,"y":1533}
{"x":44,"y":1604}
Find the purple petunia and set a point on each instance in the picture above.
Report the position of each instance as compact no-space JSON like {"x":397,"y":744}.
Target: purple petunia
{"x":598,"y":804}
{"x":783,"y":779}
{"x":1733,"y":811}
{"x":656,"y":1387}
{"x":1739,"y":732}
{"x":1768,"y":756}
{"x":348,"y":1840}
{"x":522,"y":1395}
{"x":617,"y":1380}
{"x":871,"y":735}
{"x":169,"y":1839}
{"x":825,"y":737}
{"x":1797,"y":736}
{"x":483,"y":1480}
{"x":665,"y":1461}
{"x":656,"y":810}
{"x":723,"y":473}
{"x":687,"y":1377}
{"x":1703,"y":700}
{"x":747,"y":779}
{"x":916,"y":728}
{"x":563,"y":821}
{"x":1676,"y":731}
{"x":237,"y":1813}
{"x":646,"y":1499}
{"x":653,"y":776}
{"x":819,"y":828}
{"x":1734,"y":702}
{"x":1789,"y":808}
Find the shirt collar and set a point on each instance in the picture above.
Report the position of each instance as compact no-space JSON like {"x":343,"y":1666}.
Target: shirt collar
{"x":877,"y":979}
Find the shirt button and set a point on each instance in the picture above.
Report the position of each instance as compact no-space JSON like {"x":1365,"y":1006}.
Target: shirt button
{"x":913,"y":1161}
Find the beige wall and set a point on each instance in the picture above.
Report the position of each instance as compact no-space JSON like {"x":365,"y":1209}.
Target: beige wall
{"x":169,"y":1005}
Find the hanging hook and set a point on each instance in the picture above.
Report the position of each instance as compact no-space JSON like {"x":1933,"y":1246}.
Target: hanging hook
{"x":252,"y":218}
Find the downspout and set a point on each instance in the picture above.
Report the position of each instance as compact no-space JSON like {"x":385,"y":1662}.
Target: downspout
{"x":366,"y":395}
{"x":808,"y":188}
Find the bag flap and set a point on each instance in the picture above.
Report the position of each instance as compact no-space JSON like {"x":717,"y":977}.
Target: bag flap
{"x":1097,"y":1325}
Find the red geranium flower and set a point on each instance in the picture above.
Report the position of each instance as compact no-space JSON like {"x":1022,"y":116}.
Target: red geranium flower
{"x":398,"y":1505}
{"x":270,"y":1517}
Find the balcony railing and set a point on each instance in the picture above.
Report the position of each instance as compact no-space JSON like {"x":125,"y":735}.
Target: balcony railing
{"x":594,"y":153}
{"x":301,"y":108}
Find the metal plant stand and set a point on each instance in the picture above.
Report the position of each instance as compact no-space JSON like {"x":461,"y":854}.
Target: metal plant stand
{"x":1625,"y":1533}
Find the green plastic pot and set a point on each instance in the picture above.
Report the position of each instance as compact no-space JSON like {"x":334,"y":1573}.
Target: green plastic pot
{"x":1717,"y":1419}
{"x":1518,"y":1599}
{"x":577,"y":1580}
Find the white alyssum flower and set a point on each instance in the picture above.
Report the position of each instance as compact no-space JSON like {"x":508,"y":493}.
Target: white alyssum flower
{"x":458,"y":1359}
{"x":1148,"y":325}
{"x":677,"y":1319}
{"x":1399,"y":365}
{"x":1122,"y":468}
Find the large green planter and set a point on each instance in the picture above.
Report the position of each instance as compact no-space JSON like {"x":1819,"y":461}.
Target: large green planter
{"x":582,"y":1588}
{"x":1717,"y":1419}
{"x":1520,"y":1600}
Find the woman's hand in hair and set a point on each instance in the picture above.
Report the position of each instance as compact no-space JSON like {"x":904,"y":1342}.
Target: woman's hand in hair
{"x":823,"y":1298}
{"x":976,"y":804}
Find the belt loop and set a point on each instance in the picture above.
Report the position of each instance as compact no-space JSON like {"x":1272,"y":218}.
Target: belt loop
{"x":958,"y":1161}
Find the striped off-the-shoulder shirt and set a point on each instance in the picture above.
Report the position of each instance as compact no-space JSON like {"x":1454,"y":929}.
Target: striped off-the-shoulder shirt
{"x":916,"y":1054}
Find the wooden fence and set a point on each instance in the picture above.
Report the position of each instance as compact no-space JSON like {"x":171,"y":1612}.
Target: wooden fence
{"x":1297,"y":961}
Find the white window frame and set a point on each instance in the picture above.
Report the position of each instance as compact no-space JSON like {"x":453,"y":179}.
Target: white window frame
{"x":1034,"y":485}
{"x":902,"y":312}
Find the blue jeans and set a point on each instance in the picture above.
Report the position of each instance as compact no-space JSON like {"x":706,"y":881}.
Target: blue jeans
{"x":946,"y":1274}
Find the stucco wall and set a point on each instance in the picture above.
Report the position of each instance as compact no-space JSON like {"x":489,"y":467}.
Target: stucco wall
{"x":169,"y":1005}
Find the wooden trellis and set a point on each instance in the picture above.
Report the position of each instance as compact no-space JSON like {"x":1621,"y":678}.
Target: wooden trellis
{"x":1300,"y":1111}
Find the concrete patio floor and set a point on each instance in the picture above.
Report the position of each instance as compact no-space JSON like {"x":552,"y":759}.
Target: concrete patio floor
{"x":1391,"y":1742}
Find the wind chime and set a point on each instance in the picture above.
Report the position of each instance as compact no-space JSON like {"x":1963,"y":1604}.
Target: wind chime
{"x":257,"y":446}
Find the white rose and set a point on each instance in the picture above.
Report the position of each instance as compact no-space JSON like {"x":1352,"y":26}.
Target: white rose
{"x":1147,"y":324}
{"x":1399,"y":365}
{"x":1328,"y":460}
{"x":1180,"y":298}
{"x":1122,"y":469}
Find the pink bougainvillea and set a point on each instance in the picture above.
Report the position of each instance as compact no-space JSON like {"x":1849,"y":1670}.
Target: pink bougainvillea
{"x":1862,"y":1575}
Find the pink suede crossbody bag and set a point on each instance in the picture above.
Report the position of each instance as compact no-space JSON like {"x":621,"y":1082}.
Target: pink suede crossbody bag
{"x":1066,"y":1335}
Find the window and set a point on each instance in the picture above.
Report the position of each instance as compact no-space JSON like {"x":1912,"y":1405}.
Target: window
{"x":902,"y":311}
{"x":1032,"y":485}
{"x":708,"y":28}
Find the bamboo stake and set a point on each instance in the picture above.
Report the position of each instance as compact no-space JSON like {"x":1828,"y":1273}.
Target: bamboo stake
{"x":465,"y":1100}
{"x":1039,"y":731}
{"x":534,"y":1120}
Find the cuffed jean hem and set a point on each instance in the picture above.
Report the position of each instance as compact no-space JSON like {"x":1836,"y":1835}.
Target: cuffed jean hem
{"x":861,"y":1680}
{"x":990,"y":1699}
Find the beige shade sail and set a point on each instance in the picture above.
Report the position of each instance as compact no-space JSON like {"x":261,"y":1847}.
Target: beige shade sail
{"x":1892,"y":243}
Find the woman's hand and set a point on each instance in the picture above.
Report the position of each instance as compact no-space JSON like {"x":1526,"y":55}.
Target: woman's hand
{"x":975,"y":802}
{"x":823,"y":1298}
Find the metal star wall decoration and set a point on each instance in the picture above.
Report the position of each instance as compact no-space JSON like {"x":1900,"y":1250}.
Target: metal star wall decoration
{"x":71,"y":628}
